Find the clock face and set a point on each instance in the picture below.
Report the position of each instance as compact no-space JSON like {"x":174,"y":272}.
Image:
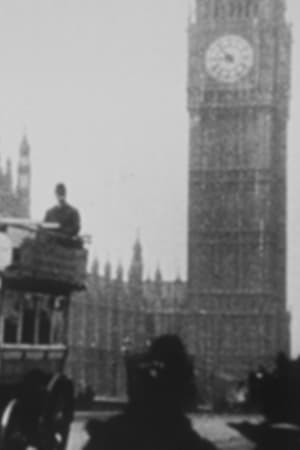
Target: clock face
{"x":229,"y":59}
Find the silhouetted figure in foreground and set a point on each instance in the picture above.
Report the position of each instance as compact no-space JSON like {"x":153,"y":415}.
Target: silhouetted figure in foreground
{"x":160,"y":389}
{"x":64,"y":214}
{"x":277,"y":395}
{"x":266,"y":437}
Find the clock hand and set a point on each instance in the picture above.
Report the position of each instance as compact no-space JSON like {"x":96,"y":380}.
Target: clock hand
{"x":227,"y":55}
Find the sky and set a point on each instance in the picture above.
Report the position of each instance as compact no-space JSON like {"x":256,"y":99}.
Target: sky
{"x":99,"y":87}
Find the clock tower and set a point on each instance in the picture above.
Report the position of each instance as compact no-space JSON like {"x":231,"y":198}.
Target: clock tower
{"x":238,"y":97}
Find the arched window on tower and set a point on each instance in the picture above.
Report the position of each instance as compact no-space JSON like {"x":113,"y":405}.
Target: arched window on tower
{"x":220,"y":9}
{"x":255,"y":8}
{"x":235,"y":8}
{"x":216,"y":10}
{"x":232,"y":8}
{"x":241,"y":8}
{"x":248,"y":8}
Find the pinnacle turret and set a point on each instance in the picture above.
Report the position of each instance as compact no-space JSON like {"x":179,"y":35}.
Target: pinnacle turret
{"x":136,"y":267}
{"x":95,"y":267}
{"x":158,"y":276}
{"x":120,"y":273}
{"x":24,"y":147}
{"x":135,"y":276}
{"x":107,"y":272}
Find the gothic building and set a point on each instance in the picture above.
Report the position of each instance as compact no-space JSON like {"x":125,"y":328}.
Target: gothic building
{"x":15,"y":197}
{"x":238,"y":98}
{"x":113,"y":311}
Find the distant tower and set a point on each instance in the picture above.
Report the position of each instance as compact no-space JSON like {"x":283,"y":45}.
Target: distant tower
{"x":238,"y":97}
{"x":24,"y":179}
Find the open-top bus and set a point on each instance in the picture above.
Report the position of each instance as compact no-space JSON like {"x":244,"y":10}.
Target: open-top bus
{"x":39,"y":271}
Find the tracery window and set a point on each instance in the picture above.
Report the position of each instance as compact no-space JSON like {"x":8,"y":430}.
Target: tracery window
{"x":28,"y":320}
{"x":58,"y":320}
{"x":11,"y":314}
{"x":44,"y":320}
{"x":33,"y":319}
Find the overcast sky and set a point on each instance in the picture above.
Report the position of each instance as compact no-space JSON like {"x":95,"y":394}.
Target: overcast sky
{"x":100,"y":88}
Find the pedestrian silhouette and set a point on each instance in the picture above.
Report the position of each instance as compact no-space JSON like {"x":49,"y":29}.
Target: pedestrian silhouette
{"x":160,"y":389}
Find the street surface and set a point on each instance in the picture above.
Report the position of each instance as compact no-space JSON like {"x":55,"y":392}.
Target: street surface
{"x":214,"y":428}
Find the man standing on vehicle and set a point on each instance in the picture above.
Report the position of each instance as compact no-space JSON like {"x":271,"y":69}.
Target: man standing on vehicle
{"x":64,"y":214}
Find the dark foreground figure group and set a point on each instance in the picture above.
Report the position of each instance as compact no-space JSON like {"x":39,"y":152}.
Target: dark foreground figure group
{"x":161,"y":388}
{"x":277,"y":393}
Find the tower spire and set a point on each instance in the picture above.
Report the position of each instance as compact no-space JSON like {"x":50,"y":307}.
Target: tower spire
{"x":136,"y":269}
{"x":120,"y":273}
{"x":158,"y":276}
{"x":107,"y":272}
